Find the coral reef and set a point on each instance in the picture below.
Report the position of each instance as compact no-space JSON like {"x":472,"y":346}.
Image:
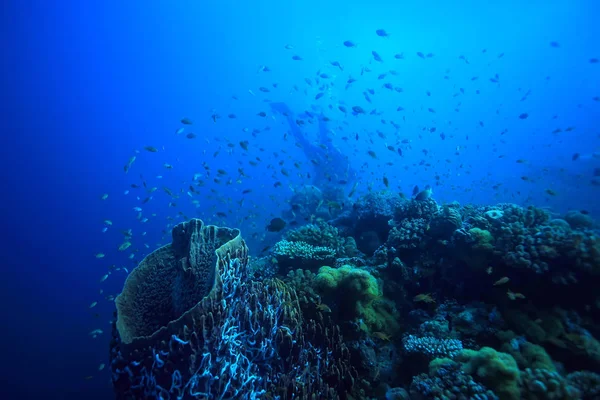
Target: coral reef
{"x":243,"y":339}
{"x":390,"y":297}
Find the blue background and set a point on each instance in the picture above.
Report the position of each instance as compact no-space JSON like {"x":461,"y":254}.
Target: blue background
{"x":85,"y":84}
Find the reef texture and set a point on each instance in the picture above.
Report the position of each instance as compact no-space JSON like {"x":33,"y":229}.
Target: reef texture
{"x":243,"y":339}
{"x":388,"y":298}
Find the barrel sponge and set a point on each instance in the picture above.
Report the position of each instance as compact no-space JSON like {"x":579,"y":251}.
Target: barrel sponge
{"x":172,"y":279}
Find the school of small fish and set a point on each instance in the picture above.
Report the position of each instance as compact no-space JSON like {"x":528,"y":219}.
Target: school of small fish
{"x":390,"y":152}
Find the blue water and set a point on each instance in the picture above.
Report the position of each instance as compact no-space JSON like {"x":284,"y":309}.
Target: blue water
{"x":85,"y":85}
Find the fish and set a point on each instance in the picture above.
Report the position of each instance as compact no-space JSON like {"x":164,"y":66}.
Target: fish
{"x":425,"y":194}
{"x":100,"y":255}
{"x":376,"y":56}
{"x":514,"y":296}
{"x":523,"y":116}
{"x":296,"y":58}
{"x":151,"y":149}
{"x":129,"y":164}
{"x":382,"y":33}
{"x":276,"y":225}
{"x":94,"y":304}
{"x":104,"y":196}
{"x":191,"y":135}
{"x":124,"y":246}
{"x":502,"y":281}
{"x":337,"y":64}
{"x":386,"y":182}
{"x":349,"y":43}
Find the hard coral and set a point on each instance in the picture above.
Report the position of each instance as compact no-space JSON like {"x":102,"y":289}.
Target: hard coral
{"x":496,"y":370}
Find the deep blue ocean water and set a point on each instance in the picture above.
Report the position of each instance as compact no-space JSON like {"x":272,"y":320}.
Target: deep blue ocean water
{"x":86,"y":84}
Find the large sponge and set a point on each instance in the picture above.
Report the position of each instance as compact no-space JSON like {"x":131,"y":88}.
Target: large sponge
{"x":171,"y":280}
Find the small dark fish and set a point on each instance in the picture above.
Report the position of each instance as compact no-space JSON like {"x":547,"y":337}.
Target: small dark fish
{"x":376,"y":56}
{"x":386,"y":182}
{"x":264,"y":89}
{"x":575,"y":157}
{"x":399,"y":151}
{"x":382,"y":33}
{"x":593,"y":60}
{"x":421,"y":55}
{"x":262,"y":114}
{"x":244,"y":144}
{"x":221,"y":214}
{"x":431,"y":110}
{"x":190,"y":135}
{"x":319,"y":95}
{"x":524,"y":116}
{"x":186,"y":121}
{"x":337,"y":64}
{"x":399,"y":56}
{"x":554,"y":44}
{"x":276,"y":225}
{"x":349,"y":43}
{"x":415,"y":190}
{"x":358,"y":110}
{"x":296,"y":58}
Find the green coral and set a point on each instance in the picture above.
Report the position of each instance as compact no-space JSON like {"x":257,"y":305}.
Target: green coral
{"x":359,"y":296}
{"x":529,"y":355}
{"x":483,"y":239}
{"x":497,"y":371}
{"x":357,"y":282}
